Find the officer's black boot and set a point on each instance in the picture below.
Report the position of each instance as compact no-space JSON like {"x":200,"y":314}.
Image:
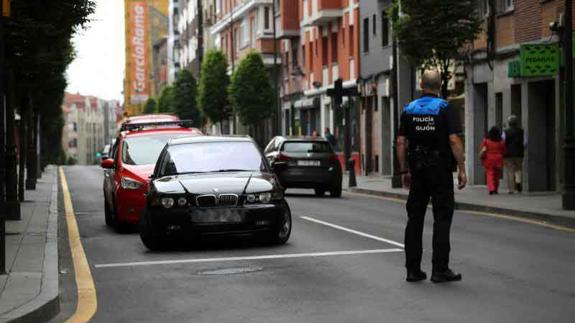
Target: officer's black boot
{"x":518,"y":187}
{"x":445,"y":276}
{"x":415,"y":275}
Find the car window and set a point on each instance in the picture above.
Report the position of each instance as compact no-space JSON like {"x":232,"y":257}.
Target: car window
{"x":144,"y":150}
{"x":212,"y":157}
{"x":307,"y":147}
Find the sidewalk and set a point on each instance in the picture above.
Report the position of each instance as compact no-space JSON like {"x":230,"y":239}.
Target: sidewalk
{"x":29,"y":292}
{"x":538,"y":206}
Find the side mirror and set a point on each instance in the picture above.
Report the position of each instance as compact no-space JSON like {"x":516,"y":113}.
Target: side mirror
{"x":107,"y":163}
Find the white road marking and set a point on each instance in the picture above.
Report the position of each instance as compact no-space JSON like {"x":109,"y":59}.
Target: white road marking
{"x":339,"y":227}
{"x":263,"y":257}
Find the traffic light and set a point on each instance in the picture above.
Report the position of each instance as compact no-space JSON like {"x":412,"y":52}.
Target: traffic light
{"x":338,"y":92}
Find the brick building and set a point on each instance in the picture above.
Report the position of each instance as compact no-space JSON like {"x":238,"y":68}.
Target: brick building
{"x":502,"y":80}
{"x":328,"y":49}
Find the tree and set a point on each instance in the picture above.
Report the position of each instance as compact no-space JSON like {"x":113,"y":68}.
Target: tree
{"x":39,"y":49}
{"x":251,"y":92}
{"x":433,"y":33}
{"x":150,"y":106}
{"x":213,"y":85}
{"x":166,"y":100}
{"x":184,"y":97}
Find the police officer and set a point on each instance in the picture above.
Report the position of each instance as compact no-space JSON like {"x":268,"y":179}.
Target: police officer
{"x":428,"y":145}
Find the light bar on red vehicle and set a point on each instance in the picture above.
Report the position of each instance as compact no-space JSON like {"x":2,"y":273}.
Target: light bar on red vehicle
{"x":140,"y":126}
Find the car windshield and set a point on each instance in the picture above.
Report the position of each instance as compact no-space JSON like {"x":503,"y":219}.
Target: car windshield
{"x":212,"y":157}
{"x":307,"y":147}
{"x":144,"y":150}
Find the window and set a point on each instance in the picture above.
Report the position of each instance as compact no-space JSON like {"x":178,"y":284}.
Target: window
{"x":334,"y":48}
{"x":266,"y":18}
{"x":303,"y":53}
{"x":374,"y":27}
{"x":384,"y":29}
{"x":244,"y":31}
{"x":253,"y":32}
{"x":366,"y":35}
{"x":504,"y":6}
{"x":483,"y":7}
{"x":294,"y":57}
{"x":351,"y":40}
{"x":324,"y":52}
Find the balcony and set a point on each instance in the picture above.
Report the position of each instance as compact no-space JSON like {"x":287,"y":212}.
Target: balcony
{"x":322,"y":12}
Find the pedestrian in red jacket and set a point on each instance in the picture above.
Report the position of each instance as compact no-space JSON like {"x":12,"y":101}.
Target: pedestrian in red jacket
{"x":492,"y":152}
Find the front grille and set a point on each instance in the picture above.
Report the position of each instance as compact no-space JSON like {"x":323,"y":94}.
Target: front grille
{"x":206,"y":201}
{"x":211,"y":200}
{"x":228,"y":200}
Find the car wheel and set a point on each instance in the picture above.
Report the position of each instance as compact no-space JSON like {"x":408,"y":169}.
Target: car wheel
{"x":335,"y":192}
{"x":108,"y":215}
{"x":150,"y":235}
{"x":281,"y":233}
{"x":319,"y":192}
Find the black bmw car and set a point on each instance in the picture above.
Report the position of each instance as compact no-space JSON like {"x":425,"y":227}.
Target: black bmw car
{"x":214,"y":185}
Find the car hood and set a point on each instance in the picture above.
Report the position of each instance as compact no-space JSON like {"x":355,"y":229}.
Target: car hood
{"x":141,"y":172}
{"x":217,"y":183}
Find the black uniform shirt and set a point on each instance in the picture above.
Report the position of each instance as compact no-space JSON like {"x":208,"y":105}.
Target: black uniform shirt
{"x":427,"y":123}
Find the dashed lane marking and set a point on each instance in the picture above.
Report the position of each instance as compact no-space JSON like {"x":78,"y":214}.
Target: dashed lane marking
{"x":87,"y":300}
{"x":359,"y":233}
{"x":247,"y":258}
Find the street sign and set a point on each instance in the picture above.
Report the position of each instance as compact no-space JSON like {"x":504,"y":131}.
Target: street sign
{"x":539,"y":59}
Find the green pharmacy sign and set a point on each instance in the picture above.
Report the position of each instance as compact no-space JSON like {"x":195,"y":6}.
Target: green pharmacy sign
{"x":539,"y":59}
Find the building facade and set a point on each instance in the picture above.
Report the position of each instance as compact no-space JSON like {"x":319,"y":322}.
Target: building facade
{"x":89,"y":124}
{"x":500,"y":82}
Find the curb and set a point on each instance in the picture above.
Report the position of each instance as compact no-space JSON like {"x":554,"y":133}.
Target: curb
{"x":47,"y":303}
{"x":464,"y":206}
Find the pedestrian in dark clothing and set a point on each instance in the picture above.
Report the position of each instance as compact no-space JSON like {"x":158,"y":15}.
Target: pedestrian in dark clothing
{"x":330,"y":138}
{"x":427,"y":146}
{"x":492,"y":152}
{"x":515,"y":149}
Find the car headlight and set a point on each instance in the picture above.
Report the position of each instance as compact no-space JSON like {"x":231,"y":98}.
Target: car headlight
{"x":259,"y":198}
{"x":265,"y":197}
{"x":130,"y":184}
{"x":182,"y":201}
{"x":251,"y":198}
{"x":167,"y":202}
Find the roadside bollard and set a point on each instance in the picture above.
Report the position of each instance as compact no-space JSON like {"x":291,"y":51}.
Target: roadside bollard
{"x":351,"y":168}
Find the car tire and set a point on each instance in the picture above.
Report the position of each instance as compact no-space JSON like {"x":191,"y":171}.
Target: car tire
{"x":150,"y":235}
{"x":281,"y":233}
{"x":319,"y":192}
{"x":108,"y":215}
{"x":335,"y":192}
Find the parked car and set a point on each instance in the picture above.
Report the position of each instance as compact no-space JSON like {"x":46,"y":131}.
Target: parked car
{"x":214,"y":185}
{"x":131,"y":162}
{"x":305,"y":162}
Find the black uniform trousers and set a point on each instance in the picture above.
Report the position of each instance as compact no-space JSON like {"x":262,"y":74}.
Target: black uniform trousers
{"x":434,"y":182}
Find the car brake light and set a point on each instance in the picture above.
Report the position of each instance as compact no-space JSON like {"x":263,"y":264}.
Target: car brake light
{"x":282,"y":157}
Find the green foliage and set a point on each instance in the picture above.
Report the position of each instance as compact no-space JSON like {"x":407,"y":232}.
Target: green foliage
{"x":251,"y":92}
{"x":184,"y":97}
{"x":166,"y":100}
{"x":150,"y":106}
{"x":213,"y":85}
{"x":433,"y":33}
{"x":38,"y":51}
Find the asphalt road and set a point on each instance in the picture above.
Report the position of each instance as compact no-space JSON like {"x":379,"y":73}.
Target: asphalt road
{"x":342,"y":264}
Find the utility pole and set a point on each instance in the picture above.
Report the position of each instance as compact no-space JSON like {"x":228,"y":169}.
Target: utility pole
{"x":278,"y":109}
{"x":569,"y":145}
{"x":3,"y":12}
{"x":12,"y":202}
{"x":396,"y":178}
